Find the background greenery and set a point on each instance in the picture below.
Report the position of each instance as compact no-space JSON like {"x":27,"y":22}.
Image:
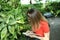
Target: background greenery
{"x":13,"y":17}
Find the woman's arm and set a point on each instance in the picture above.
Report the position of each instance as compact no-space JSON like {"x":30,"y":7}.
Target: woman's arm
{"x":47,"y":36}
{"x":32,"y":35}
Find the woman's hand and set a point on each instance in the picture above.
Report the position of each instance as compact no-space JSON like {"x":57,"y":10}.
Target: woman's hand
{"x":28,"y":33}
{"x":31,"y":34}
{"x":46,"y":36}
{"x":35,"y":36}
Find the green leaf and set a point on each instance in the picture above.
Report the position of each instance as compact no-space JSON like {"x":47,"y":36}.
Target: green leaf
{"x":2,"y":15}
{"x":2,"y":25}
{"x":3,"y":33}
{"x":6,"y":37}
{"x":21,"y":27}
{"x":11,"y":29}
{"x":20,"y":21}
{"x":1,"y":19}
{"x":10,"y":3}
{"x":12,"y":0}
{"x":6,"y":20}
{"x":12,"y":22}
{"x":15,"y":36}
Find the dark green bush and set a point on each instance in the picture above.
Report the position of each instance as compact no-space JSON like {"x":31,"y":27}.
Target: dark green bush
{"x":13,"y":19}
{"x":53,"y":7}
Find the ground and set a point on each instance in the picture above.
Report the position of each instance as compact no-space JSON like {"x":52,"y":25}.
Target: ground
{"x":54,"y":28}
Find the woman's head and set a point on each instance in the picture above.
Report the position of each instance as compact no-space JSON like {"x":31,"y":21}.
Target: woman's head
{"x":34,"y":16}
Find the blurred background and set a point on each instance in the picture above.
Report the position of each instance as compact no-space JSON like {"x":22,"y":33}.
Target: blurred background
{"x":13,"y":17}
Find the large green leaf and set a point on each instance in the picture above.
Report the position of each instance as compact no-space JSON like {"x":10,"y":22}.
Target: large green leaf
{"x":10,"y":19}
{"x":15,"y":35}
{"x":3,"y":33}
{"x":11,"y":29}
{"x":20,"y":21}
{"x":2,"y":15}
{"x":7,"y":19}
{"x":12,"y":22}
{"x":1,"y":19}
{"x":2,"y":25}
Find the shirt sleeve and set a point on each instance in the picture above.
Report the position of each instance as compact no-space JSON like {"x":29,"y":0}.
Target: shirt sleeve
{"x":45,"y":27}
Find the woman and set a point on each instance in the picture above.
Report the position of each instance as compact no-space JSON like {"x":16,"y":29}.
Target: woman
{"x":39,"y":24}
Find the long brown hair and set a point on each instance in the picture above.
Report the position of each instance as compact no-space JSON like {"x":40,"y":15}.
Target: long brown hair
{"x":34,"y":17}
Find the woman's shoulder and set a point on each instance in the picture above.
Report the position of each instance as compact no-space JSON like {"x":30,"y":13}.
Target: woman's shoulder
{"x":43,"y":22}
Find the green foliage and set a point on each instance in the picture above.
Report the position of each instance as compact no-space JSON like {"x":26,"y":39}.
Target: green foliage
{"x":3,"y":33}
{"x":53,"y":7}
{"x":12,"y":19}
